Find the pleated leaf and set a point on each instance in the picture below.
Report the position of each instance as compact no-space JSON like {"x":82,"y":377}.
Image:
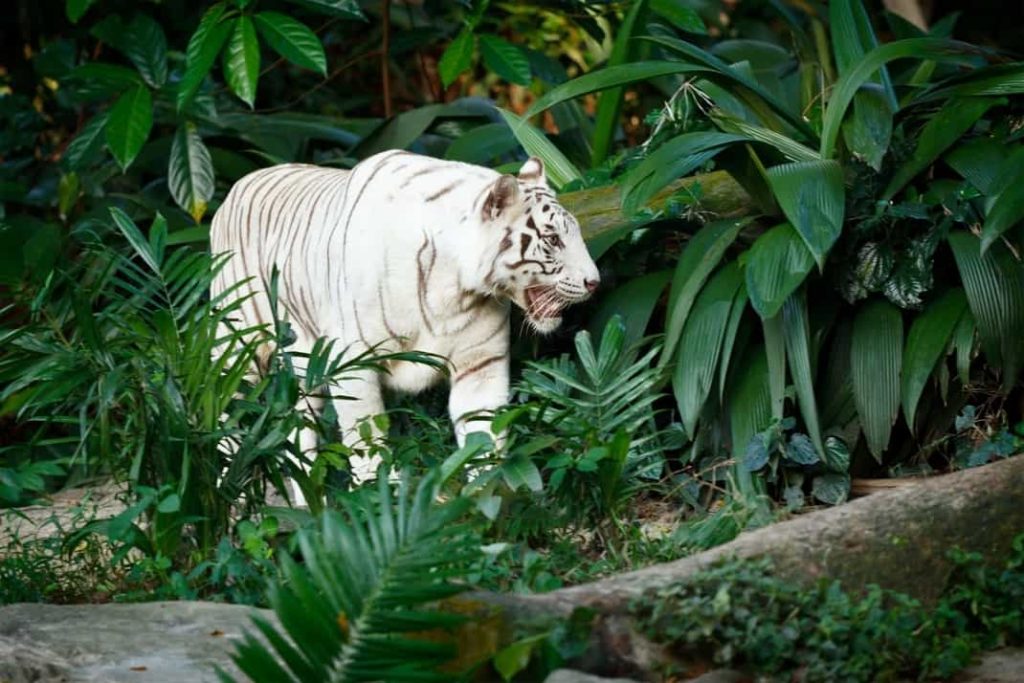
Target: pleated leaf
{"x":739,"y":307}
{"x":994,"y":283}
{"x":776,"y":265}
{"x":940,"y":133}
{"x":796,"y":329}
{"x":699,"y":258}
{"x":749,"y":401}
{"x":979,"y":161}
{"x":190,"y":171}
{"x":633,"y":302}
{"x":701,"y":344}
{"x":775,"y":352}
{"x":1008,"y":208}
{"x":812,"y":195}
{"x":927,"y":341}
{"x":876,"y":355}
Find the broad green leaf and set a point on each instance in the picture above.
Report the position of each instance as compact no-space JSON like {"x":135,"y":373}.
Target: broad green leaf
{"x":1008,"y":208}
{"x":292,"y":39}
{"x":203,"y":48}
{"x":559,"y":169}
{"x":634,"y":302}
{"x":868,"y":131}
{"x":963,"y":343}
{"x":876,"y":354}
{"x":801,"y":451}
{"x":940,"y":133}
{"x":739,"y":307}
{"x":682,"y":17}
{"x":699,"y":258}
{"x":505,"y":59}
{"x":516,"y":657}
{"x":776,"y":265}
{"x":783,"y":143}
{"x":852,"y":38}
{"x":606,"y":78}
{"x":242,"y":60}
{"x":671,"y":160}
{"x":831,"y":488}
{"x":344,"y":9}
{"x":609,"y":103}
{"x":849,"y":83}
{"x":749,"y":400}
{"x":482,"y":144}
{"x":994,"y":283}
{"x":87,"y":144}
{"x":979,"y":161}
{"x":76,"y":9}
{"x":457,"y":57}
{"x":190,"y":171}
{"x":796,"y":329}
{"x":146,"y":47}
{"x":67,"y":193}
{"x":520,"y":471}
{"x":775,"y":352}
{"x":701,"y":344}
{"x":838,"y":407}
{"x":128,"y":125}
{"x":927,"y":341}
{"x":813,"y":197}
{"x":993,"y":80}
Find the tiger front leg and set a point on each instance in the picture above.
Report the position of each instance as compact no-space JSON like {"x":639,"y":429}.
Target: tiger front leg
{"x":479,"y":387}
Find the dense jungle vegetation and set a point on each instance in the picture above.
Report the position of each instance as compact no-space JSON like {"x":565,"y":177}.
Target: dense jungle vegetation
{"x":808,"y":219}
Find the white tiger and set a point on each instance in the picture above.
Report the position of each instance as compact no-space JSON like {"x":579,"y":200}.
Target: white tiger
{"x":410,"y":252}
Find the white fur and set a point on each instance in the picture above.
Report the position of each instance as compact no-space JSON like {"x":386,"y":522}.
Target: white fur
{"x":410,"y":252}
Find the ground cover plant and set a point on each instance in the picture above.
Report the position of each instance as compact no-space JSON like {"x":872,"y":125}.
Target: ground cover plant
{"x":857,"y":314}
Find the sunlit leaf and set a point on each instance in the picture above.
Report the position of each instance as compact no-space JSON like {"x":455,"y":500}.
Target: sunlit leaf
{"x":457,"y":57}
{"x":190,"y":171}
{"x":505,"y":59}
{"x":559,"y":169}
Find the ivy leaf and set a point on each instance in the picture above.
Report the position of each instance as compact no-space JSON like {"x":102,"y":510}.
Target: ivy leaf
{"x":242,"y":60}
{"x":457,"y":57}
{"x":801,"y":451}
{"x":203,"y":48}
{"x":190,"y":171}
{"x":756,"y":455}
{"x":293,"y":40}
{"x":505,"y":59}
{"x":128,"y":125}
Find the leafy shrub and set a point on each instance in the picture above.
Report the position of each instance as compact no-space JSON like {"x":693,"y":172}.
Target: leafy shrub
{"x":743,"y":616}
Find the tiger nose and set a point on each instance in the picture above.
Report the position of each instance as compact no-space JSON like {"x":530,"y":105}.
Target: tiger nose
{"x":591,"y":285}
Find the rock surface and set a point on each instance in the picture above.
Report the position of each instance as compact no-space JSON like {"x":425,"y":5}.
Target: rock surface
{"x":156,"y":642}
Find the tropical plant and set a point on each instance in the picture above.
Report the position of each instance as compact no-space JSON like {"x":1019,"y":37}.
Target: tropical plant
{"x":356,"y":609}
{"x":855,"y":156}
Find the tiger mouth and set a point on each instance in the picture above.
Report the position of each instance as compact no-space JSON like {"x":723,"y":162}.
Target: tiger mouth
{"x":542,"y":302}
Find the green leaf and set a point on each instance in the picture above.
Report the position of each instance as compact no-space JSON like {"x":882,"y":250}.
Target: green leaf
{"x":994,"y":284}
{"x":674,"y":158}
{"x":135,"y":238}
{"x":876,"y":354}
{"x":849,"y":84}
{"x":293,"y":40}
{"x":682,"y":17}
{"x":128,"y":125}
{"x":190,"y":171}
{"x":701,"y":344}
{"x":482,"y":144}
{"x":67,"y":193}
{"x":505,"y":59}
{"x":559,"y":169}
{"x":927,"y":341}
{"x":812,"y":195}
{"x":520,"y":471}
{"x":344,"y":9}
{"x":609,"y":104}
{"x":633,"y":302}
{"x":88,"y":143}
{"x":852,"y":38}
{"x":979,"y":162}
{"x":776,"y":264}
{"x":242,"y":60}
{"x":699,"y":258}
{"x":801,"y":451}
{"x":739,"y":307}
{"x":516,"y":657}
{"x":796,"y":329}
{"x":868,"y":131}
{"x":146,"y":46}
{"x":775,"y":352}
{"x":457,"y":57}
{"x":203,"y":48}
{"x":963,"y":342}
{"x":76,"y":9}
{"x":1008,"y":207}
{"x":945,"y":128}
{"x":749,"y":400}
{"x":831,"y":488}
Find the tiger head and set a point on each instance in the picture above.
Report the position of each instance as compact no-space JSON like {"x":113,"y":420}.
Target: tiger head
{"x":542,"y":263}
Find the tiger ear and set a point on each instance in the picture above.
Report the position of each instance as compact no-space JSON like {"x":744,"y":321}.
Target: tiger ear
{"x":503,"y":195}
{"x":532,"y":172}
